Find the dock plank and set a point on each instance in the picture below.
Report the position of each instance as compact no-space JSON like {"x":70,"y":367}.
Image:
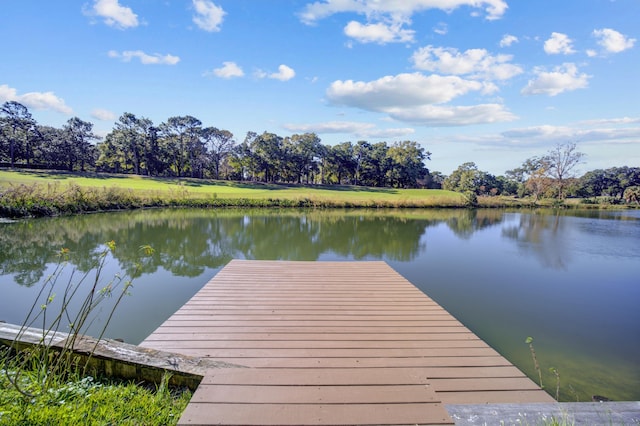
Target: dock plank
{"x":317,"y":414}
{"x":332,"y":343}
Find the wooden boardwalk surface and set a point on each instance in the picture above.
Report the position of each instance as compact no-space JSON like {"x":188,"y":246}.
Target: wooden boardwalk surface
{"x":332,"y":343}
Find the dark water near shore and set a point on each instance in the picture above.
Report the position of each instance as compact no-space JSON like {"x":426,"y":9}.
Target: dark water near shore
{"x":571,"y":280}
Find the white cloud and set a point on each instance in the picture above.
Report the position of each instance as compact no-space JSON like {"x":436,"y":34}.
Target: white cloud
{"x":507,"y":40}
{"x":403,"y":89}
{"x":558,"y":43}
{"x":144,"y":58}
{"x":114,"y":14}
{"x":208,"y":16}
{"x":563,"y":78}
{"x":395,"y":9}
{"x":35,"y":100}
{"x":559,"y":134}
{"x":228,"y":70}
{"x":612,"y":41}
{"x":443,"y":116}
{"x":103,"y":114}
{"x":378,"y":33}
{"x":617,"y":121}
{"x":543,"y":131}
{"x":477,"y":63}
{"x":284,"y":73}
{"x":415,"y":97}
{"x":386,"y":19}
{"x":350,"y":127}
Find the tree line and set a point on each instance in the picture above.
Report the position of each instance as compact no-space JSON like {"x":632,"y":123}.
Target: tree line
{"x":552,"y":175}
{"x":182,"y":146}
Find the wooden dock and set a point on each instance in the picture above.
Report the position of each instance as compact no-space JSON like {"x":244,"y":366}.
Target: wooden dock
{"x":332,"y":343}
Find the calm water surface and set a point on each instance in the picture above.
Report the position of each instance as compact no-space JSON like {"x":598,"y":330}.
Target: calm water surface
{"x":568,"y":279}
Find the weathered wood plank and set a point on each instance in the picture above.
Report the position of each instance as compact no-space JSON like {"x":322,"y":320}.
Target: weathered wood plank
{"x":302,"y":318}
{"x":314,"y":362}
{"x":494,"y":397}
{"x":476,"y":384}
{"x":207,"y":349}
{"x":310,"y":303}
{"x":318,"y":376}
{"x":188,"y":334}
{"x":316,"y":414}
{"x":353,"y":394}
{"x":198,"y":341}
{"x":509,"y":376}
{"x":207,"y":321}
{"x":204,"y":327}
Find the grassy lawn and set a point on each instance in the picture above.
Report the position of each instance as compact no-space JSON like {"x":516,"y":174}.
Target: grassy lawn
{"x":58,"y":182}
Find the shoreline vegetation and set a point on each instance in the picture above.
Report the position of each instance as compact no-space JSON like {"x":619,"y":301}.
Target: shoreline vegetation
{"x":47,"y":378}
{"x":42,"y":193}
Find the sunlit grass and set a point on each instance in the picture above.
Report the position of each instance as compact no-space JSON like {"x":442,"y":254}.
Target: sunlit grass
{"x":204,"y":187}
{"x":40,"y":193}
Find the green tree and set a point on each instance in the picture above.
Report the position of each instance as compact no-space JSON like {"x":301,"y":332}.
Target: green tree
{"x":133,"y":141}
{"x":242,"y":159}
{"x":466,"y":178}
{"x":182,"y":144}
{"x":341,"y":163}
{"x":266,"y":156}
{"x":129,"y":135}
{"x":469,"y":180}
{"x":594,"y":183}
{"x":111,"y":157}
{"x":154,"y":156}
{"x":407,"y":164}
{"x":361,"y":156}
{"x":375,"y":167}
{"x":303,"y":155}
{"x":506,"y":186}
{"x":219,"y":145}
{"x":620,"y":178}
{"x":17,"y":130}
{"x":78,"y":140}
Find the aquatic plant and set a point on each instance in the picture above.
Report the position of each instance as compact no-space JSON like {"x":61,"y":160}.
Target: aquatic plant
{"x":529,"y":341}
{"x":86,"y":290}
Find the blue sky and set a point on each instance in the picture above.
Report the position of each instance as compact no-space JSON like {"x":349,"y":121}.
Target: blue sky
{"x":489,"y":81}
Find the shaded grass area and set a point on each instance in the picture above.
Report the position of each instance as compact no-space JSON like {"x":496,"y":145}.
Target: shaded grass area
{"x":43,"y":193}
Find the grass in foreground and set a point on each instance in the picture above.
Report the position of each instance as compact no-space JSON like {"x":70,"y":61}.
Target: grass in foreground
{"x":78,"y":400}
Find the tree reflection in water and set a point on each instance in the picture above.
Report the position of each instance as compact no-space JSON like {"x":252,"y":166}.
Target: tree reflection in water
{"x":186,"y":242}
{"x":543,"y":236}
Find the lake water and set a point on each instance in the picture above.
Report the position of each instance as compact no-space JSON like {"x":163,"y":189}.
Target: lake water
{"x":570,"y":280}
